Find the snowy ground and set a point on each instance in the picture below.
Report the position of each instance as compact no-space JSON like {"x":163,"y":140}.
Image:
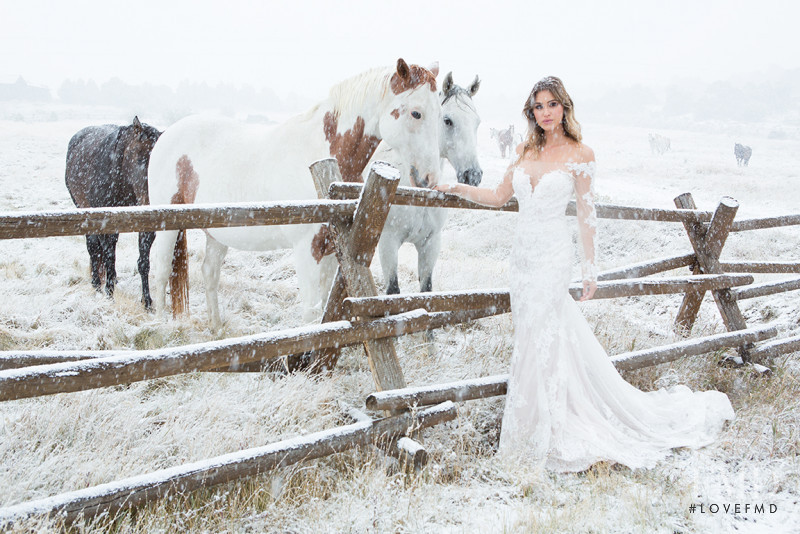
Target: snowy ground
{"x":71,"y":441}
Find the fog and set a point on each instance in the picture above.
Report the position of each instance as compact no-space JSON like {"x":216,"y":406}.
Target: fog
{"x":618,"y":59}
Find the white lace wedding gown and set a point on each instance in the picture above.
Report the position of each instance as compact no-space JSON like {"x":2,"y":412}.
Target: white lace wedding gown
{"x":567,"y":407}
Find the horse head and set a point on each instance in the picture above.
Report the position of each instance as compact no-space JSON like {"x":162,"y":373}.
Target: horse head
{"x":410,"y":120}
{"x":134,"y":145}
{"x":458,"y":140}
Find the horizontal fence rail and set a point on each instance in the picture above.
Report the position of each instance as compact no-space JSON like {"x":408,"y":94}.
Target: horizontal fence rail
{"x":500,"y":299}
{"x":15,"y":225}
{"x":412,"y":196}
{"x":122,"y":367}
{"x":138,"y":490}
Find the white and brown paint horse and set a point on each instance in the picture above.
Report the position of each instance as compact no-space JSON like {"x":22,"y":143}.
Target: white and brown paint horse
{"x":458,"y":143}
{"x":201,"y":160}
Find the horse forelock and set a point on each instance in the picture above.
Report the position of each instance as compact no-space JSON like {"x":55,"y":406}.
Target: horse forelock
{"x":461,"y":97}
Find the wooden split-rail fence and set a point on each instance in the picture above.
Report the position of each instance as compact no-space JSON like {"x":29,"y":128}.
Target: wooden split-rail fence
{"x":356,"y":314}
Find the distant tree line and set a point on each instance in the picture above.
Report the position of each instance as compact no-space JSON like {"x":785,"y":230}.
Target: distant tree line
{"x":188,"y":95}
{"x":753,"y":99}
{"x":192,"y":95}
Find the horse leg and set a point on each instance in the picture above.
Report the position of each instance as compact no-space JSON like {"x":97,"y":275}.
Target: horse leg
{"x":95,"y":259}
{"x":427,"y":253}
{"x":308,"y":278}
{"x":388,"y":247}
{"x":163,"y":251}
{"x":327,"y":274}
{"x":212,"y":265}
{"x":145,"y":242}
{"x":109,"y":246}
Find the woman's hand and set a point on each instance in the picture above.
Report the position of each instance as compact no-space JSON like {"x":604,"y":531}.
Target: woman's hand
{"x":446,"y":188}
{"x":589,"y":287}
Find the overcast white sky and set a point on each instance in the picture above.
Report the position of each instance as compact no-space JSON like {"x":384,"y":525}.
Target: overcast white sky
{"x":305,"y":46}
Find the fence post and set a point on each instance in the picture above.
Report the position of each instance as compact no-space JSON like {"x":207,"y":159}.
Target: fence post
{"x":707,"y":244}
{"x":355,"y":244}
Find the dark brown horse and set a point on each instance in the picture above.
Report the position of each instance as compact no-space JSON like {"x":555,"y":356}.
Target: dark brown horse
{"x":107,"y":167}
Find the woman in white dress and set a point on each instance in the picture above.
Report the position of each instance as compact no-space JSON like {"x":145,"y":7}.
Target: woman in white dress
{"x":567,"y":407}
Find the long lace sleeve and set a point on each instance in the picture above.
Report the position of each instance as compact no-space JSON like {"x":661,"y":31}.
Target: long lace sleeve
{"x":587,"y":217}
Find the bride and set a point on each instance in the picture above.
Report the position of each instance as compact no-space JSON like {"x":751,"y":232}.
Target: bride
{"x":567,"y":407}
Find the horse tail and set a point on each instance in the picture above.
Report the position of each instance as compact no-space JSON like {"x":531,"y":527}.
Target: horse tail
{"x":188,"y":181}
{"x":179,"y":277}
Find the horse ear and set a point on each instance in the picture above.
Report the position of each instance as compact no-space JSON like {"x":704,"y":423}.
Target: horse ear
{"x":402,"y":69}
{"x":447,"y":84}
{"x":434,"y":68}
{"x":475,"y":86}
{"x":136,"y":124}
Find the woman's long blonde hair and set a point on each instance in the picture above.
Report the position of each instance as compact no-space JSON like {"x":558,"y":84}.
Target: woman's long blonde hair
{"x":536,"y":138}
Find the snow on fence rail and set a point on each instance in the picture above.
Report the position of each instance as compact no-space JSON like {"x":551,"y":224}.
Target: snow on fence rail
{"x":138,"y":490}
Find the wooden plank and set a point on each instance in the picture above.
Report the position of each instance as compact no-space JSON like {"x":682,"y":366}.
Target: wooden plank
{"x":324,"y":172}
{"x":411,"y":196}
{"x":355,"y":247}
{"x":411,"y":454}
{"x":767,"y":267}
{"x":15,"y":359}
{"x":123,"y":367}
{"x":662,"y":286}
{"x":381,"y":305}
{"x":775,"y":348}
{"x":766,"y":222}
{"x":718,"y":231}
{"x":690,"y":306}
{"x":16,"y":225}
{"x":138,"y":490}
{"x":692,"y":347}
{"x":460,"y":391}
{"x":707,"y":244}
{"x":646,"y":268}
{"x":771,"y":288}
{"x":500,"y":299}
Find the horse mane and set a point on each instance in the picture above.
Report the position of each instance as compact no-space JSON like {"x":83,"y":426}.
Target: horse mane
{"x":352,"y":94}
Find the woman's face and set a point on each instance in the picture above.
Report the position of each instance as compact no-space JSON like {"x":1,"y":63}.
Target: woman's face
{"x":547,"y":111}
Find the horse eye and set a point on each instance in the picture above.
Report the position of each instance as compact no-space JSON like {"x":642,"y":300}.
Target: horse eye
{"x":416,"y":114}
{"x":447,"y":121}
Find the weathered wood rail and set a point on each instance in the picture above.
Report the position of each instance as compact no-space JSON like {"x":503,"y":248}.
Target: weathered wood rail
{"x":139,"y":490}
{"x":18,"y":225}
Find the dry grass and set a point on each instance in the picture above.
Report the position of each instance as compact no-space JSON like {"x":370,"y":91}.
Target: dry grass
{"x":65,"y":442}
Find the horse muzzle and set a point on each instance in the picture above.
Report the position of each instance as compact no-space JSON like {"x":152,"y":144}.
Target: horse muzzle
{"x":470,"y":177}
{"x":426,"y":181}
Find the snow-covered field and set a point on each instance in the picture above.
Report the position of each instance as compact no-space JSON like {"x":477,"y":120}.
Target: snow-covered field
{"x":70,"y":441}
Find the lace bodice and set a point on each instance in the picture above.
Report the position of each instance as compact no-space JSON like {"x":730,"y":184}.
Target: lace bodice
{"x":544,"y":204}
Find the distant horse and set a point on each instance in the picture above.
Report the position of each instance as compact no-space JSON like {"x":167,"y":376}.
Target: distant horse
{"x":658,"y":144}
{"x":201,"y":160}
{"x":505,"y":139}
{"x":742,"y":153}
{"x":458,"y":143}
{"x":107,"y":167}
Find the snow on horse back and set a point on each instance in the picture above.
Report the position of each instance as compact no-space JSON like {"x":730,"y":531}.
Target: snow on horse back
{"x":202,"y":159}
{"x":458,"y":142}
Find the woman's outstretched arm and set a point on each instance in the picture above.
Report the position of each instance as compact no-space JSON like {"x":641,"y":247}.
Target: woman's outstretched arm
{"x":482,"y":195}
